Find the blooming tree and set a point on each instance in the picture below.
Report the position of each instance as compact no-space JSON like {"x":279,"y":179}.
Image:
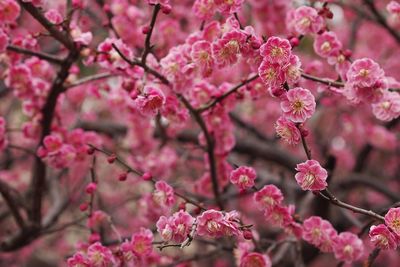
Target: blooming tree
{"x":199,"y":133}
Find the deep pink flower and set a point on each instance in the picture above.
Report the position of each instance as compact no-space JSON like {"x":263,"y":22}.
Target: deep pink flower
{"x":276,"y":50}
{"x":163,"y":194}
{"x":348,"y":247}
{"x":292,"y":69}
{"x":79,"y":37}
{"x":3,"y":41}
{"x":307,"y":20}
{"x":298,"y":105}
{"x":255,"y":259}
{"x":271,"y":74}
{"x":202,"y":56}
{"x":279,"y":215}
{"x":78,"y":260}
{"x":142,"y":242}
{"x":382,"y":237}
{"x":108,"y":57}
{"x":392,"y":220}
{"x":228,"y":7}
{"x":288,"y":131}
{"x":227,"y":49}
{"x":176,"y":228}
{"x":319,"y":232}
{"x":268,"y":197}
{"x":311,"y":176}
{"x":54,"y":16}
{"x":52,"y":143}
{"x":150,"y":101}
{"x":210,"y":223}
{"x":327,"y":44}
{"x":243,"y":177}
{"x":204,"y":9}
{"x":9,"y":11}
{"x":100,"y":256}
{"x":364,"y":73}
{"x":388,"y":107}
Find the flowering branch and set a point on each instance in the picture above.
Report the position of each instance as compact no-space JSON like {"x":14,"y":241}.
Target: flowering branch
{"x":41,"y":55}
{"x":147,"y":46}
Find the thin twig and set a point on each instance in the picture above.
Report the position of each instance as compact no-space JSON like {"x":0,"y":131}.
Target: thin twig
{"x":41,"y":55}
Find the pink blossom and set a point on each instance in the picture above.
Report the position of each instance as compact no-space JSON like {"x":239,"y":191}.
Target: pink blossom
{"x":394,"y":13}
{"x":255,"y":259}
{"x":54,"y":16}
{"x":108,"y":57}
{"x":279,"y":215}
{"x":228,"y":7}
{"x":52,"y":144}
{"x":90,"y":188}
{"x":176,"y":228}
{"x":150,"y":101}
{"x":364,"y":73}
{"x":307,"y":20}
{"x":79,"y":37}
{"x":202,"y":56}
{"x":227,"y":49}
{"x":9,"y":11}
{"x":100,"y":256}
{"x":268,"y":197}
{"x":96,"y":219}
{"x":388,"y":107}
{"x":319,"y":232}
{"x":380,"y":137}
{"x":3,"y":41}
{"x":392,"y":220}
{"x":19,"y":78}
{"x":142,"y":242}
{"x":292,"y":69}
{"x":210,"y":224}
{"x":78,"y":260}
{"x":276,"y":50}
{"x":288,"y":131}
{"x":311,"y":176}
{"x":348,"y":247}
{"x":327,"y":44}
{"x":243,"y":177}
{"x":298,"y":105}
{"x":271,"y":74}
{"x":382,"y":237}
{"x":163,"y":194}
{"x":204,"y":9}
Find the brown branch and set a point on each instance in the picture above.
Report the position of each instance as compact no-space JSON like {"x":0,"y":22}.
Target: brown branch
{"x":91,"y":78}
{"x":41,"y":55}
{"x":210,"y":150}
{"x":226,"y":94}
{"x":60,"y":36}
{"x":147,"y":44}
{"x":322,"y":80}
{"x":6,"y":192}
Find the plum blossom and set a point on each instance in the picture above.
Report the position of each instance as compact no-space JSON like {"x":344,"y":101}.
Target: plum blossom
{"x":163,"y":194}
{"x":9,"y":11}
{"x":298,"y":105}
{"x":202,"y":56}
{"x":139,"y":246}
{"x":288,"y":131}
{"x":255,"y":259}
{"x":150,"y":101}
{"x":100,"y":256}
{"x":204,"y":9}
{"x":108,"y":57}
{"x":227,"y":49}
{"x":210,"y":223}
{"x":319,"y":232}
{"x":388,"y":107}
{"x":271,"y":74}
{"x":3,"y":41}
{"x":268,"y":197}
{"x":306,"y":20}
{"x":53,"y":16}
{"x":311,"y":176}
{"x":243,"y":177}
{"x":176,"y":228}
{"x":228,"y":7}
{"x":382,"y":237}
{"x":348,"y":247}
{"x":279,"y":215}
{"x":327,"y":44}
{"x":276,"y":50}
{"x":364,"y":73}
{"x":392,"y":220}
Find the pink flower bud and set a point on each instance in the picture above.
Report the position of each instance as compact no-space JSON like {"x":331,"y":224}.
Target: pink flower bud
{"x":90,"y":188}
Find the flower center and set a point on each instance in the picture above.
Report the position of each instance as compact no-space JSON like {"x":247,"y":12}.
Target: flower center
{"x":270,"y":74}
{"x":326,"y":47}
{"x":297,"y":105}
{"x":348,"y":250}
{"x":363,"y":72}
{"x":309,"y":179}
{"x":243,"y":179}
{"x":212,"y":226}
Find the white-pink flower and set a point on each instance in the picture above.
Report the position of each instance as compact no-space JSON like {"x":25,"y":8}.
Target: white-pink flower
{"x":311,"y":176}
{"x":298,"y":105}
